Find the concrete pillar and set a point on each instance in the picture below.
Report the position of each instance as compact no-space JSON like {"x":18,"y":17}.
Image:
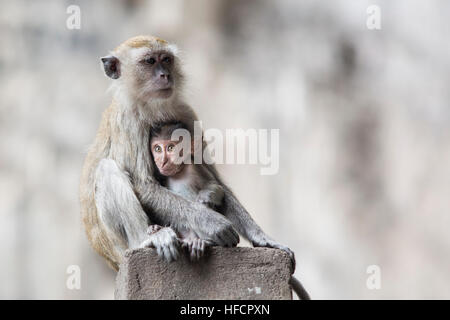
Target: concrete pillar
{"x":224,"y":273}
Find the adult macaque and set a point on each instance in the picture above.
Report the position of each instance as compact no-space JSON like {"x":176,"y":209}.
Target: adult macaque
{"x":118,"y":189}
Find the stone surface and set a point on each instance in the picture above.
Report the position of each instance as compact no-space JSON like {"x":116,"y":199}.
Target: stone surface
{"x":224,"y":273}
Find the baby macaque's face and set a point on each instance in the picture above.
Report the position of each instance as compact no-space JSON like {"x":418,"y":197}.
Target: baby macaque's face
{"x":164,"y":155}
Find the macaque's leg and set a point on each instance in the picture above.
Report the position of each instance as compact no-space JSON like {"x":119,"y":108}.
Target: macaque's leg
{"x":122,"y":214}
{"x":233,"y":210}
{"x":245,"y":225}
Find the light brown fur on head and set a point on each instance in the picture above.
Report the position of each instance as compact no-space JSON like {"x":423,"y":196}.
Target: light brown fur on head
{"x":142,"y":41}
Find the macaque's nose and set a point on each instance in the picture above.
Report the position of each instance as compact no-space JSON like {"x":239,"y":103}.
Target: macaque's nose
{"x":162,"y":72}
{"x":164,"y":75}
{"x":164,"y":159}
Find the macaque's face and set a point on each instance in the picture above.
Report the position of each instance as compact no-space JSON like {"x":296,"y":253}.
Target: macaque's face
{"x":164,"y":154}
{"x":146,"y":67}
{"x":154,"y":72}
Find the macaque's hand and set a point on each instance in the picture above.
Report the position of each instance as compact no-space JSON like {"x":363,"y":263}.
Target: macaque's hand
{"x":205,"y":199}
{"x":165,"y":242}
{"x":269,"y":243}
{"x":195,"y":246}
{"x":211,"y":196}
{"x":153,"y":228}
{"x":215,"y":228}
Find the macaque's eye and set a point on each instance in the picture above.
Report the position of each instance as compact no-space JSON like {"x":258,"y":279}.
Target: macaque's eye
{"x":167,"y":60}
{"x":157,"y":149}
{"x":150,"y":60}
{"x":170,"y":148}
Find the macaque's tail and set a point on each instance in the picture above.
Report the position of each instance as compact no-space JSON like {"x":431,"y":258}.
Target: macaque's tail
{"x":299,"y":289}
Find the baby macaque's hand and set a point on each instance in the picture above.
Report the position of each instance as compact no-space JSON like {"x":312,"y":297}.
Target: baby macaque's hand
{"x":195,"y":246}
{"x":212,"y":196}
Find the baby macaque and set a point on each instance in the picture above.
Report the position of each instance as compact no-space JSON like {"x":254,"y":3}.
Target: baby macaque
{"x":188,"y":180}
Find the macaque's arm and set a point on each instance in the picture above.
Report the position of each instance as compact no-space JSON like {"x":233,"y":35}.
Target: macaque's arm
{"x":167,"y":208}
{"x":243,"y":222}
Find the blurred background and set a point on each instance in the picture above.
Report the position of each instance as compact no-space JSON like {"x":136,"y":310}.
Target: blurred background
{"x":364,"y":121}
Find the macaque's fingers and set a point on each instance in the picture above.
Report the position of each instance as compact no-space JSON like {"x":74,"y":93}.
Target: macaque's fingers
{"x":197,"y":247}
{"x":184,"y":243}
{"x":174,"y":252}
{"x":286,"y":249}
{"x":166,"y":243}
{"x":167,"y":254}
{"x":291,"y":255}
{"x":218,"y":241}
{"x":170,"y":252}
{"x":221,"y":240}
{"x":230,"y":239}
{"x":227,"y":241}
{"x":224,"y":237}
{"x":203,"y":246}
{"x":272,"y":244}
{"x":196,"y":252}
{"x":213,"y":239}
{"x":193,"y":254}
{"x":159,"y":251}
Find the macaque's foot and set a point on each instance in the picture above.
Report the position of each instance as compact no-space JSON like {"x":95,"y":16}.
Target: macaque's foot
{"x":153,"y":228}
{"x":272,"y":244}
{"x":165,"y":241}
{"x":196,"y":247}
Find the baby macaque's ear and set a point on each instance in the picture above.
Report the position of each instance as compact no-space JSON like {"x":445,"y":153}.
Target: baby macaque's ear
{"x":111,"y":65}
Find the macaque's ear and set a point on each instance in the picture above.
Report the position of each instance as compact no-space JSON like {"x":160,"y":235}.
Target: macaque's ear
{"x":112,"y":66}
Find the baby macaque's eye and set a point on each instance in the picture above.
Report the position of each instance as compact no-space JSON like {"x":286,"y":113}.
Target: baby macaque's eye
{"x":157,"y":149}
{"x":150,"y":60}
{"x":167,"y":59}
{"x":170,"y":148}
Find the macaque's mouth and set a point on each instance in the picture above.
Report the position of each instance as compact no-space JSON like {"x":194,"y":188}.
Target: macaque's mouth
{"x":169,"y":169}
{"x":167,"y":172}
{"x":166,"y":167}
{"x":164,"y":92}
